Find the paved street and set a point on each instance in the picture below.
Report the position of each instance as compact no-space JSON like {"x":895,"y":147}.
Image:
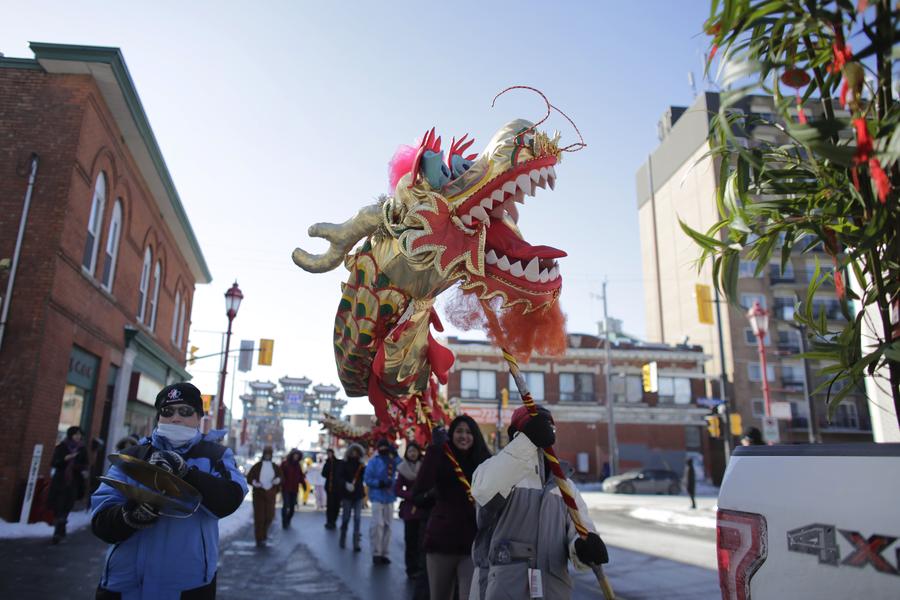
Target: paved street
{"x":306,"y":560}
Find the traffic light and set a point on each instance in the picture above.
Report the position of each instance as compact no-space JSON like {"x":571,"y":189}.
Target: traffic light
{"x":737,"y":427}
{"x":649,"y":377}
{"x":704,"y":304}
{"x":265,"y":352}
{"x":713,"y":426}
{"x":504,"y":398}
{"x":193,"y":355}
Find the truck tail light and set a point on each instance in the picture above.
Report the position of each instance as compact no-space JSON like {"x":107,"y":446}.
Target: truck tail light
{"x":741,"y":546}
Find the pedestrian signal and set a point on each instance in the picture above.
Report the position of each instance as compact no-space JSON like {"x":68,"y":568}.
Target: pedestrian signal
{"x":704,"y":304}
{"x":713,"y":426}
{"x":193,"y":355}
{"x":504,"y":397}
{"x":649,"y":377}
{"x":737,"y":427}
{"x":265,"y":352}
{"x":207,"y":401}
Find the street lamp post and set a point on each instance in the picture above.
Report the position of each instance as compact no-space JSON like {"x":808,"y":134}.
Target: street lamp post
{"x":759,"y":323}
{"x":233,"y":299}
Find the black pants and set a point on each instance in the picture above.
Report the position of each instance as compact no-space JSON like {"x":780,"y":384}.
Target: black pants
{"x":288,"y":502}
{"x":332,"y":507}
{"x":413,"y":552}
{"x":206,"y":592}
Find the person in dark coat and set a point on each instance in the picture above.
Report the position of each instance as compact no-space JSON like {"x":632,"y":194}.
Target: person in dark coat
{"x":292,"y":472}
{"x":690,"y":481}
{"x":410,"y":514}
{"x":332,"y":490}
{"x":350,"y":482}
{"x":451,"y":527}
{"x":67,"y":484}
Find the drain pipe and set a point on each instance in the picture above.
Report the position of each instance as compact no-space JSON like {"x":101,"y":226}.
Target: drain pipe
{"x":7,"y":299}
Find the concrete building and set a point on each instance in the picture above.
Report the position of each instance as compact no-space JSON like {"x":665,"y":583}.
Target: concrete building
{"x":679,"y":181}
{"x":97,"y":307}
{"x":653,"y":429}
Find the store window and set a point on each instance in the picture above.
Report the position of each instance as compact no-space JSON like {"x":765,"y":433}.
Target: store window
{"x":478,"y":384}
{"x":627,"y":388}
{"x":674,"y":390}
{"x":78,"y":396}
{"x":535,"y":382}
{"x":576,"y":387}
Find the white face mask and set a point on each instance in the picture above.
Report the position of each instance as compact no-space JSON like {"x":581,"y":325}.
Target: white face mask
{"x":176,"y":434}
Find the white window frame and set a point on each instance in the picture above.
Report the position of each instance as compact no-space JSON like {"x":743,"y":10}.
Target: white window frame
{"x":747,"y":269}
{"x":755,"y":366}
{"x":95,"y":219}
{"x":154,"y":302}
{"x":144,"y":284}
{"x":113,"y":235}
{"x":182,"y":322}
{"x":486,"y":382}
{"x":766,"y":340}
{"x":748,"y":299}
{"x":535,"y":382}
{"x":175,"y":319}
{"x":760,"y":404}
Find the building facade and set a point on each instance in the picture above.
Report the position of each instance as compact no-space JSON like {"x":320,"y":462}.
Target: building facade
{"x":679,"y":181}
{"x":102,"y":268}
{"x":652,"y":429}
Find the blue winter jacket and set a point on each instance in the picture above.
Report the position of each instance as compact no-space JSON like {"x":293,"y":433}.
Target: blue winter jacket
{"x":173,"y":555}
{"x":380,"y":476}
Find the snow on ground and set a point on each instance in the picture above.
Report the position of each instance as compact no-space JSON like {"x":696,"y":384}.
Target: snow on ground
{"x":236,"y":520}
{"x":77,"y":520}
{"x":670,"y":517}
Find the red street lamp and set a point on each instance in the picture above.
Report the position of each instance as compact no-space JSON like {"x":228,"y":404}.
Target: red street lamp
{"x":759,"y":323}
{"x":233,"y":299}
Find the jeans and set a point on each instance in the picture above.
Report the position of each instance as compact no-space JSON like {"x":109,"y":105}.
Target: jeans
{"x":288,"y":502}
{"x":348,"y":504}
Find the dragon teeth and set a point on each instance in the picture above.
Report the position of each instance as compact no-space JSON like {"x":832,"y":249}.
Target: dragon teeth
{"x":479,"y":213}
{"x":503,"y":263}
{"x":533,"y":270}
{"x":544,"y":276}
{"x":554,"y":273}
{"x":513,"y":211}
{"x":523,"y":182}
{"x":491,"y":257}
{"x":516,"y":270}
{"x":467,"y":220}
{"x":519,"y":197}
{"x":535,"y":175}
{"x":509,"y":188}
{"x":487,"y":203}
{"x":497,"y":196}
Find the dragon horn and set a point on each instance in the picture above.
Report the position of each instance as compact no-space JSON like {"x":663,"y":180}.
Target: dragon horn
{"x":342,"y":237}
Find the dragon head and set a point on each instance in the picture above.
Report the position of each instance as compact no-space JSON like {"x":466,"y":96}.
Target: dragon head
{"x":459,"y":214}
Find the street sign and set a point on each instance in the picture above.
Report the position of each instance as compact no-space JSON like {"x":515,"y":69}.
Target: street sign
{"x":709,"y":402}
{"x":32,"y":480}
{"x":781,"y":410}
{"x":770,"y":430}
{"x":245,"y":362}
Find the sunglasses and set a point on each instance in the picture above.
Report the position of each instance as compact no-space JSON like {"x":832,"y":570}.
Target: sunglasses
{"x":182,"y":410}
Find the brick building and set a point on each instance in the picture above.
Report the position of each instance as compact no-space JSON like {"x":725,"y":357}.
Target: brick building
{"x":652,"y":429}
{"x":99,"y":311}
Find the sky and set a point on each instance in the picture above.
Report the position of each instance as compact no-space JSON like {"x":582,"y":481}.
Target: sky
{"x":272,"y":116}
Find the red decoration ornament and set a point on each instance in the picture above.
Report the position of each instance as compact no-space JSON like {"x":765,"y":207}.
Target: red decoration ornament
{"x":865,"y":155}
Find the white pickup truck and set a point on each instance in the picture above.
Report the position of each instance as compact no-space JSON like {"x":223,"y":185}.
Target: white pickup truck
{"x":810,"y":522}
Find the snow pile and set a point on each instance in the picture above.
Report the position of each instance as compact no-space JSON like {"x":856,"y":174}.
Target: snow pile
{"x":670,"y":517}
{"x":77,"y":520}
{"x":236,"y":520}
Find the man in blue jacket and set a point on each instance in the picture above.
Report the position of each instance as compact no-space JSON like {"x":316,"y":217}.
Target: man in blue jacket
{"x":380,"y":476}
{"x":154,"y":557}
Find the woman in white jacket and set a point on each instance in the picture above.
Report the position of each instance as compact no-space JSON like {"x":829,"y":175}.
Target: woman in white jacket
{"x":525,"y":534}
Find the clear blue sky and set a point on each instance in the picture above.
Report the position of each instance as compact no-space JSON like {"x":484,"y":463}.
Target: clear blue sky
{"x":275,"y":115}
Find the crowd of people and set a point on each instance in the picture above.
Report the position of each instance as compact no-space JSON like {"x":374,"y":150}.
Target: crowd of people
{"x":475,"y":524}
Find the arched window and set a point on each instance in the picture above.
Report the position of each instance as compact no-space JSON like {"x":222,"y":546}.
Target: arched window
{"x":89,"y":259}
{"x":154,"y":299}
{"x":181,"y":324}
{"x":175,"y":318}
{"x":112,"y":246}
{"x":144,"y":284}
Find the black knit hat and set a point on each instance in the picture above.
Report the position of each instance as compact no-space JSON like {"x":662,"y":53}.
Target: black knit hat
{"x":180,"y":393}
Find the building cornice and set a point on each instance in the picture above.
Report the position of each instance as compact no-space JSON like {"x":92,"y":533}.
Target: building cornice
{"x":580,"y":412}
{"x":646,"y":354}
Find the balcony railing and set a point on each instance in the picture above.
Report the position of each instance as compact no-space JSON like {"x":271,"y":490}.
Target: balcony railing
{"x":791,"y":385}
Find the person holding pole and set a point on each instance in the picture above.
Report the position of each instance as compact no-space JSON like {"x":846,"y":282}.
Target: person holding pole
{"x":525,"y":534}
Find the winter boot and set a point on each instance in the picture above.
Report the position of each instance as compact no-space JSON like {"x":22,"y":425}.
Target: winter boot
{"x":343,"y":542}
{"x":356,"y":540}
{"x":59,"y":531}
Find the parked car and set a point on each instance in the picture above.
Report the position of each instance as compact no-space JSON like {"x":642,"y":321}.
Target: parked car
{"x":644,"y":481}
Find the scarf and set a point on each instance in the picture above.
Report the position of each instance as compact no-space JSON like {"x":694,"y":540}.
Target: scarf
{"x":71,"y":446}
{"x":409,"y":470}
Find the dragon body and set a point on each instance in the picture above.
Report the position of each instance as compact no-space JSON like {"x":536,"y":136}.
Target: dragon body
{"x":448,"y":222}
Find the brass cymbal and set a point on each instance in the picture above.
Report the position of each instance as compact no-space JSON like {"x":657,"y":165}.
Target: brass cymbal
{"x":168,"y":506}
{"x":165,"y":489}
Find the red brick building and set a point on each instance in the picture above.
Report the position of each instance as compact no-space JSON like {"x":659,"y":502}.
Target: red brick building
{"x":97,"y":296}
{"x":652,"y":429}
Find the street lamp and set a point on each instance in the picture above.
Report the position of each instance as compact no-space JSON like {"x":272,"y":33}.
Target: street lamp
{"x":759,"y":323}
{"x":233,"y":299}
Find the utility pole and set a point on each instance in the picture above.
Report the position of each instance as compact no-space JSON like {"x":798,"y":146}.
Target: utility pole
{"x":610,"y":413}
{"x":813,"y":424}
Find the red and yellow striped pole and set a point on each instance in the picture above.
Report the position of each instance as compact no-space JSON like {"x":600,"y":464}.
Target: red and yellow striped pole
{"x":561,"y":481}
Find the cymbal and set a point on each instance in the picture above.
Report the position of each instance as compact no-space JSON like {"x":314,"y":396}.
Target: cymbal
{"x":162,"y":489}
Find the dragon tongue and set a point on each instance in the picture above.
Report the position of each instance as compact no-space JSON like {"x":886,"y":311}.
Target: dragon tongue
{"x":507,"y":242}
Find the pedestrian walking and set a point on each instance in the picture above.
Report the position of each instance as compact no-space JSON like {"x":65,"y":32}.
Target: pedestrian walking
{"x":690,"y":480}
{"x":67,"y":483}
{"x":292,"y":473}
{"x":350,"y":480}
{"x":451,"y":526}
{"x":380,"y":476}
{"x":410,"y":514}
{"x":525,"y":534}
{"x":317,"y":481}
{"x":153,"y":556}
{"x":265,"y":477}
{"x":332,"y":489}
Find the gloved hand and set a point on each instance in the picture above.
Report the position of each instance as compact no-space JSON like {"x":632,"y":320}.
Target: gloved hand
{"x":139,"y":516}
{"x":256,"y":484}
{"x":591,"y":550}
{"x":170,"y":461}
{"x":540,"y":430}
{"x":423,"y":499}
{"x":439,"y":436}
{"x":349,"y":487}
{"x":276,"y":481}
